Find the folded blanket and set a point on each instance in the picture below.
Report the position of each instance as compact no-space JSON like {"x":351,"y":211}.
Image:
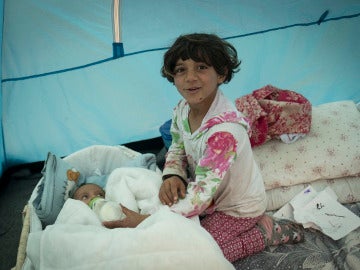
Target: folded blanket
{"x":273,"y":112}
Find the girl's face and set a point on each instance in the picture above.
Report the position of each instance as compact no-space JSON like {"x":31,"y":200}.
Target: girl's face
{"x":196,"y":82}
{"x":87,"y":192}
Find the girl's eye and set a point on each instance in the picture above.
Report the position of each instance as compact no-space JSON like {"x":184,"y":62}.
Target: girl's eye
{"x":201,"y":67}
{"x":179,"y":70}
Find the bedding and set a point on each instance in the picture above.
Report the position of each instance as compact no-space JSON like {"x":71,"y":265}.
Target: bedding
{"x":317,"y":252}
{"x":163,"y":241}
{"x":328,"y":156}
{"x":77,"y":228}
{"x":347,"y":190}
{"x":331,"y":149}
{"x":136,"y":188}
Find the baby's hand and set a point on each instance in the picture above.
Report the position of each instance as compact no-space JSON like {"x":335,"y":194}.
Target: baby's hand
{"x":132,"y":220}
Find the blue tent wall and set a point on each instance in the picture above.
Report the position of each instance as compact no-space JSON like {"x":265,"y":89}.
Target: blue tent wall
{"x":62,"y":91}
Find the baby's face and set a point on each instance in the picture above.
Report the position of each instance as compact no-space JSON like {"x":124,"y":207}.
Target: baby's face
{"x":87,"y":192}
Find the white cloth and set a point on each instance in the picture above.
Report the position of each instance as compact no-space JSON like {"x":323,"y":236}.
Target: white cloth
{"x":291,"y":138}
{"x":135,"y":188}
{"x":165,"y":240}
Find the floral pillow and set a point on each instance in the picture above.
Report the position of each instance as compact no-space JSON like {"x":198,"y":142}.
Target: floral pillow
{"x":330,"y":150}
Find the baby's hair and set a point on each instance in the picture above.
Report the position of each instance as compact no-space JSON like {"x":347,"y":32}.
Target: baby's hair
{"x":72,"y":195}
{"x":206,"y":48}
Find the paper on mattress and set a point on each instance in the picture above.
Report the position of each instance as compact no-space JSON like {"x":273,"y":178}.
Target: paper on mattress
{"x":322,"y":211}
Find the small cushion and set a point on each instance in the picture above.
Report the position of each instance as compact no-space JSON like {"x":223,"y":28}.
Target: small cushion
{"x":59,"y":179}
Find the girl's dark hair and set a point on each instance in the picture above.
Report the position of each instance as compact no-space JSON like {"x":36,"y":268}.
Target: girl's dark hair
{"x":207,"y":48}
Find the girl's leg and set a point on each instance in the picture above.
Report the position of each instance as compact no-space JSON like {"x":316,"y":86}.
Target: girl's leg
{"x":244,"y":245}
{"x":237,"y":237}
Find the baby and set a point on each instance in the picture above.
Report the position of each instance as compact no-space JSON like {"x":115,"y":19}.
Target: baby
{"x":94,"y":196}
{"x":136,"y":189}
{"x":87,"y":192}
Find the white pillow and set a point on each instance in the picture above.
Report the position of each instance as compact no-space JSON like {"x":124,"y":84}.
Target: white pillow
{"x":347,"y":190}
{"x":330,"y":150}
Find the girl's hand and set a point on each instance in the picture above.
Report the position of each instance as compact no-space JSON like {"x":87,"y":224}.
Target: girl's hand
{"x":171,"y":189}
{"x":131,"y":221}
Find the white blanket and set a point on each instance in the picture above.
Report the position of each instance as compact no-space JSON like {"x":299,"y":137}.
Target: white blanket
{"x":165,"y":240}
{"x":136,"y":188}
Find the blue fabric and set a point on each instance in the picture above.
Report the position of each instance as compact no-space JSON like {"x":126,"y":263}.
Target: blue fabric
{"x":51,"y":191}
{"x":165,"y":133}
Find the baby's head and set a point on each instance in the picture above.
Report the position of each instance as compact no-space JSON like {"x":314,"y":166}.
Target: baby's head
{"x":86,"y":192}
{"x":207,"y":48}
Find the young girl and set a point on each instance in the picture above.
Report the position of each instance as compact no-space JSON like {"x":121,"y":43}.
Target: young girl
{"x":210,"y":170}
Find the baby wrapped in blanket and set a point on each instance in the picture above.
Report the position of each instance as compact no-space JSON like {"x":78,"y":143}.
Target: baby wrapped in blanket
{"x":94,"y":196}
{"x":147,"y":246}
{"x":135,"y":188}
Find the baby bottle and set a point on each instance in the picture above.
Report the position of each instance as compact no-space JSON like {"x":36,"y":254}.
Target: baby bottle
{"x":106,"y":210}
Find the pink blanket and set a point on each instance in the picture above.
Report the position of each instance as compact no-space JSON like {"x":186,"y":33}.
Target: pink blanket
{"x":273,"y":112}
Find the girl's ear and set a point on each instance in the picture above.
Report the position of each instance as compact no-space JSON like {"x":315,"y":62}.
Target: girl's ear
{"x":221,"y":78}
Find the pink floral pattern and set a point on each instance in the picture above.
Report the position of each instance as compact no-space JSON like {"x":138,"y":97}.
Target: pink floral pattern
{"x":327,"y":152}
{"x":223,"y":118}
{"x":273,"y":111}
{"x":219,"y":153}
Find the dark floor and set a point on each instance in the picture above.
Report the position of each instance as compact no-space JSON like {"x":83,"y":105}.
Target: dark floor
{"x":13,"y":197}
{"x":16,"y":187}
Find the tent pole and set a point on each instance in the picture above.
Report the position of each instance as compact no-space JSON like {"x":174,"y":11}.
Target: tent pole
{"x":118,"y":48}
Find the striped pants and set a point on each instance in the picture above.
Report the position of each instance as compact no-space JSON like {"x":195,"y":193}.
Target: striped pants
{"x":237,"y":237}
